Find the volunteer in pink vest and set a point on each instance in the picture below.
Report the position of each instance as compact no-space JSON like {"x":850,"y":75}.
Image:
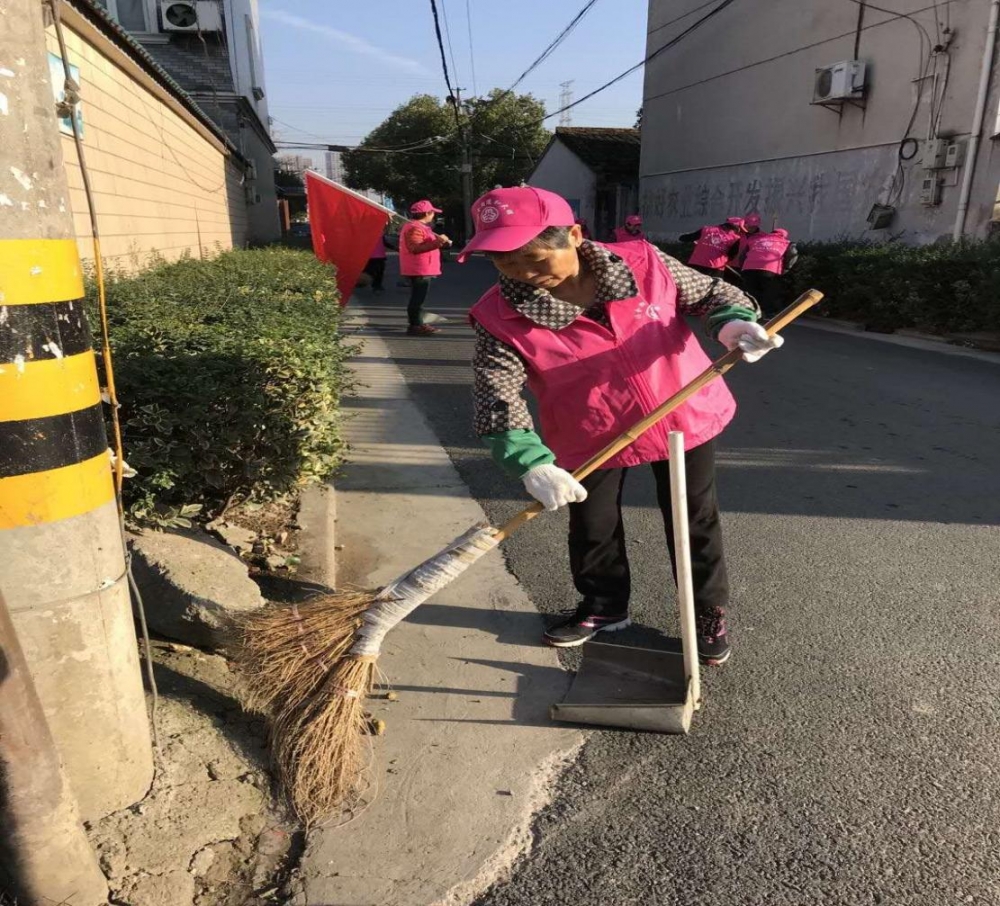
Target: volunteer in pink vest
{"x":763,"y":259}
{"x":420,"y":261}
{"x":714,"y":247}
{"x":597,"y":334}
{"x":631,"y":231}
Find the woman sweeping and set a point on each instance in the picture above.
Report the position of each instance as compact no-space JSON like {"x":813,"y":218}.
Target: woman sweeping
{"x":597,"y":334}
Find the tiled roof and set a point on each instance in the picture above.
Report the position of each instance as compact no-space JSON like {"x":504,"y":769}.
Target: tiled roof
{"x":104,"y":23}
{"x":611,"y":153}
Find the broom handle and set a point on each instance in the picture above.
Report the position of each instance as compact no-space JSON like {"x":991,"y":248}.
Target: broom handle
{"x":718,"y":368}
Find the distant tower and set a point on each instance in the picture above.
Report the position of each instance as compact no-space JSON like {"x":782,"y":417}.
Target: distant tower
{"x":565,"y":99}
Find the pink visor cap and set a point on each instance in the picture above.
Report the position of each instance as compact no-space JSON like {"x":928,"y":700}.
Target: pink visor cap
{"x":633,"y":220}
{"x":506,"y":219}
{"x":752,"y":220}
{"x":423,"y":207}
{"x":735,"y":221}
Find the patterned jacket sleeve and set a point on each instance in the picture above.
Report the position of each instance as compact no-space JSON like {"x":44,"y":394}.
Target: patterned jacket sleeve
{"x":709,"y":298}
{"x":498,"y":381}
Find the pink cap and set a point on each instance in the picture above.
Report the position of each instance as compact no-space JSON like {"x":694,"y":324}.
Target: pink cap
{"x":752,"y":220}
{"x":736,"y":222}
{"x":633,"y":220}
{"x":781,"y":232}
{"x":506,"y":219}
{"x":423,"y":207}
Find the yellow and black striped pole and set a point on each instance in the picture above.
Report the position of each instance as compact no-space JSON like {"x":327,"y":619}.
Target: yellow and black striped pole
{"x":53,"y":447}
{"x":62,"y":568}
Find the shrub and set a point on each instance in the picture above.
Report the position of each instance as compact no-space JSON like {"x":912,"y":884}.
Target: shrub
{"x":945,"y":288}
{"x":229,"y":373}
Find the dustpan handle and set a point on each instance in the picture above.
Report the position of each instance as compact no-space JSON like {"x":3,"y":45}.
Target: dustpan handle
{"x":718,"y":368}
{"x":682,"y":559}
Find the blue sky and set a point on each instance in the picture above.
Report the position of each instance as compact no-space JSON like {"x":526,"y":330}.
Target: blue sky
{"x":335,"y":70}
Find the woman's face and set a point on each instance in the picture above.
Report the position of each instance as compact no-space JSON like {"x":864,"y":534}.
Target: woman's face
{"x":542,"y":267}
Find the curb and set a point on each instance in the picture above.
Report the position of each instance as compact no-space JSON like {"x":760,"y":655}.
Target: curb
{"x":955,"y":340}
{"x":317,"y":519}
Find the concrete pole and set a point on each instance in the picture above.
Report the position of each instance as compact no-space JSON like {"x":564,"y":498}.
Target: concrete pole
{"x":44,"y":854}
{"x":61,"y":559}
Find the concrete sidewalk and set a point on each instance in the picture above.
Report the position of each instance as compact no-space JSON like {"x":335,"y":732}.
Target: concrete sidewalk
{"x":469,"y":752}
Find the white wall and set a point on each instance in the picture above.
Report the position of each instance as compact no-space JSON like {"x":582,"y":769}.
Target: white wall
{"x":561,"y":171}
{"x":728,"y":126}
{"x":246,"y":55}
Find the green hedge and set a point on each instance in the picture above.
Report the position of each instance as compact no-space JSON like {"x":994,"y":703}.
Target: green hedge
{"x":948,"y":288}
{"x":229,"y":373}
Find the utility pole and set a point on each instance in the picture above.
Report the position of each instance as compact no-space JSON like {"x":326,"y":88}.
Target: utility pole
{"x":466,"y":164}
{"x":62,"y":562}
{"x":44,"y":853}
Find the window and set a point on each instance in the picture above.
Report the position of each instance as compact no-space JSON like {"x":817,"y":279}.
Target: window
{"x":129,"y":14}
{"x":255,"y":86}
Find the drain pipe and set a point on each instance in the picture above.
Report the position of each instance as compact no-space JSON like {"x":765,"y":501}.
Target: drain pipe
{"x":977,"y":122}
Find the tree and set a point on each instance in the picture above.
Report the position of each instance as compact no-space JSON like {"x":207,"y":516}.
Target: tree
{"x":505,"y":134}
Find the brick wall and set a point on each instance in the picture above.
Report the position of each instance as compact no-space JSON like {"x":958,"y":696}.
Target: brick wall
{"x":163,"y":184}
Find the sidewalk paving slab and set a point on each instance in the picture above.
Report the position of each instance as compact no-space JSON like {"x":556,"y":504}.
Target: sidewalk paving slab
{"x":469,"y":752}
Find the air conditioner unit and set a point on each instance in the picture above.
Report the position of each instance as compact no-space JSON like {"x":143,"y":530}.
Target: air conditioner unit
{"x":190,"y":15}
{"x":251,"y":170}
{"x":252,"y":195}
{"x":843,"y":81}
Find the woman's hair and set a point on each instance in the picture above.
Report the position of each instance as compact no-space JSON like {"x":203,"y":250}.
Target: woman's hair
{"x":549,"y":238}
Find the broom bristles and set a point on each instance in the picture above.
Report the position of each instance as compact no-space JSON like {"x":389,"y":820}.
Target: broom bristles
{"x":283,"y":654}
{"x":319,"y":742}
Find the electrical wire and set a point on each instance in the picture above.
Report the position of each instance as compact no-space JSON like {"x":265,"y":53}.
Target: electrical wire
{"x":472,"y":52}
{"x":72,"y":96}
{"x":541,"y":58}
{"x":671,"y":43}
{"x":447,"y":36}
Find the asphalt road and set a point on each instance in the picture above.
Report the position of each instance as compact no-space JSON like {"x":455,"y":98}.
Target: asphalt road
{"x":848,"y":752}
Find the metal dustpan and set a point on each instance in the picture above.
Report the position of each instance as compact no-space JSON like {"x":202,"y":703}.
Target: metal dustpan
{"x":638,"y":688}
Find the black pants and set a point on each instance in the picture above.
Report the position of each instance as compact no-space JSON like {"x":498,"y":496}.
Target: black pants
{"x":375,"y":268}
{"x":719,"y":273}
{"x":597,"y":554}
{"x":418,"y":295}
{"x":765,"y":287}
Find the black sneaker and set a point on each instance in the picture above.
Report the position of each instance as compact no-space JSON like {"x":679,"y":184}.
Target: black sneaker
{"x":713,"y":642}
{"x":583,"y":626}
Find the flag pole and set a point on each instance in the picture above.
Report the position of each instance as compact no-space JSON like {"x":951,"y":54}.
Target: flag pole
{"x":330,"y":182}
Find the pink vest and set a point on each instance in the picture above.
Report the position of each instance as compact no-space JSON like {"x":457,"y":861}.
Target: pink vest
{"x":592,"y":383}
{"x":623,"y":235}
{"x":766,"y":251}
{"x":424,"y":264}
{"x":712,"y":248}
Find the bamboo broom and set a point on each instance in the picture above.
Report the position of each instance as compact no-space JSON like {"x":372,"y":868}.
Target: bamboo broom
{"x":311,"y":666}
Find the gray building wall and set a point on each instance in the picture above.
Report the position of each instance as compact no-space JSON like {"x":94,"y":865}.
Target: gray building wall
{"x":728,"y":126}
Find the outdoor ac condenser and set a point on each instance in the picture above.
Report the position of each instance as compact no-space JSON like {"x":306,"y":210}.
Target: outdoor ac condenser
{"x":842,"y":81}
{"x":191,"y":15}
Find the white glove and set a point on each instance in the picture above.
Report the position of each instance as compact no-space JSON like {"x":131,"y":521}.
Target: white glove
{"x":553,"y":487}
{"x":750,"y":337}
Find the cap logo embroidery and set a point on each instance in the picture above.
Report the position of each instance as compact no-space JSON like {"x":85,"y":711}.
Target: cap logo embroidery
{"x":488,"y":214}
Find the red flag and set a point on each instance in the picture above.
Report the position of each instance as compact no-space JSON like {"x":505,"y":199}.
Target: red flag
{"x":345,"y":227}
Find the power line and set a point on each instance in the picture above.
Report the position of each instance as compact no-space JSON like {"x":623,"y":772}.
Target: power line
{"x":447,"y":35}
{"x":440,"y":43}
{"x":472,"y":52}
{"x":672,"y":42}
{"x":541,"y":58}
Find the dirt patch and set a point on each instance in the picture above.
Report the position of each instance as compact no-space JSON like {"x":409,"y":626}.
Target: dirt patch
{"x":265,"y":535}
{"x":208,"y":833}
